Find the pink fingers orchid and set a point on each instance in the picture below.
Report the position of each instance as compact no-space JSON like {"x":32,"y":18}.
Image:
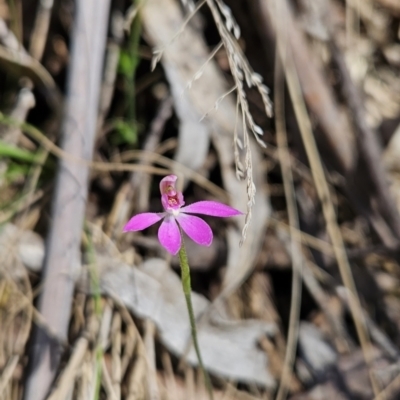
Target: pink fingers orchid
{"x":169,"y":234}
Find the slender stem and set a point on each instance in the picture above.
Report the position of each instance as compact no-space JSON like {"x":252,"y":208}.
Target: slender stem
{"x":185,"y":272}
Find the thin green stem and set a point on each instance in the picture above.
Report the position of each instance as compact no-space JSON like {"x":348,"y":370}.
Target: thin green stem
{"x":185,"y":272}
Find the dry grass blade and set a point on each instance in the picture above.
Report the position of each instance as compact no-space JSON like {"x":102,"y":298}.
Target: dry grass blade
{"x":343,"y":341}
{"x":7,"y":373}
{"x":41,"y":28}
{"x":131,"y":339}
{"x":117,"y":166}
{"x":189,"y":383}
{"x":170,"y":381}
{"x":286,"y":168}
{"x":152,"y":385}
{"x":305,"y":238}
{"x":13,"y":60}
{"x":158,"y":52}
{"x":106,"y":382}
{"x":391,"y":389}
{"x":200,"y":71}
{"x":116,"y":371}
{"x":136,"y":378}
{"x":72,"y":369}
{"x":325,"y":198}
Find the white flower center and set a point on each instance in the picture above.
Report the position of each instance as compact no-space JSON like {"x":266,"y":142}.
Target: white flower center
{"x":175,"y":213}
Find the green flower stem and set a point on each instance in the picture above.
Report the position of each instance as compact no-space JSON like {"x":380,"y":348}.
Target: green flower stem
{"x":185,"y":272}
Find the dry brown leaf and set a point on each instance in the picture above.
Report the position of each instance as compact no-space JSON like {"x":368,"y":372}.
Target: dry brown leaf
{"x":229,"y":348}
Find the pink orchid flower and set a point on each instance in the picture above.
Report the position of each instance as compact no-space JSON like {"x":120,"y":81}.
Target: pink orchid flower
{"x":169,"y":234}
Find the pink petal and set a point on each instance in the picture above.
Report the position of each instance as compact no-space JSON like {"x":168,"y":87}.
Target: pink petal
{"x":164,"y":201}
{"x":167,"y":185}
{"x":142,"y":221}
{"x":198,"y":230}
{"x":212,"y":208}
{"x":169,"y":235}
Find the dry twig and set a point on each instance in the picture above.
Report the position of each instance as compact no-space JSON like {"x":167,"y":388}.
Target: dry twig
{"x":63,"y":255}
